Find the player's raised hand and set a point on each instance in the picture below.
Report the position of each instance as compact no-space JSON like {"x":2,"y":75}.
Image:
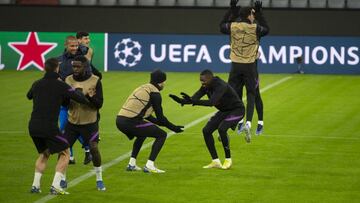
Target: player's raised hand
{"x":233,"y":3}
{"x":258,"y":6}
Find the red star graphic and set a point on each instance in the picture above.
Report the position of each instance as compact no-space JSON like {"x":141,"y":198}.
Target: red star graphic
{"x":32,"y":52}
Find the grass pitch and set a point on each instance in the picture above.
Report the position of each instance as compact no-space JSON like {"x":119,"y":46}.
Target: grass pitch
{"x":309,"y":151}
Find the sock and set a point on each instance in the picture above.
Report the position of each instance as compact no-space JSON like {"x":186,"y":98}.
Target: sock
{"x":37,"y":178}
{"x":98,"y":172}
{"x":57,"y":179}
{"x":248,"y":123}
{"x":132,"y":161}
{"x":216,"y":160}
{"x":150,"y":164}
{"x":72,"y":158}
{"x":242,"y":120}
{"x":260,"y":122}
{"x":63,"y":177}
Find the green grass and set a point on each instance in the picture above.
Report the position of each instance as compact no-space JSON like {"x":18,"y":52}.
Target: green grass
{"x":308,"y":153}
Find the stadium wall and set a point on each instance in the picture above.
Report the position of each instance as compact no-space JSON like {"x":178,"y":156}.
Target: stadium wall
{"x":335,"y":22}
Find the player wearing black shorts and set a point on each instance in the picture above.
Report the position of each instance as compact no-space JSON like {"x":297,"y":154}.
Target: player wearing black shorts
{"x":231,"y":111}
{"x":83,"y":119}
{"x":135,"y":120}
{"x":48,"y":94}
{"x":244,"y":37}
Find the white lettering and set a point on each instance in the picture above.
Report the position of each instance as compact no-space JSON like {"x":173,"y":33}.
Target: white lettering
{"x":307,"y":55}
{"x":295,"y":52}
{"x":162,"y":55}
{"x":222,"y":54}
{"x":189,"y":51}
{"x":175,"y":53}
{"x":314,"y":54}
{"x":203,"y":55}
{"x":355,"y":56}
{"x":277,"y":55}
{"x":335,"y":54}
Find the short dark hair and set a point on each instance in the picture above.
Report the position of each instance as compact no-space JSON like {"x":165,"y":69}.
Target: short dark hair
{"x":51,"y":64}
{"x":70,"y":38}
{"x":207,"y":72}
{"x":245,"y":12}
{"x":81,"y":34}
{"x":82,"y":59}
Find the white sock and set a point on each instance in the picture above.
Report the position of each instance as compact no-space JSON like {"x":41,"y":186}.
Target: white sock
{"x":150,"y":164}
{"x":98,"y":172}
{"x":72,"y":158}
{"x":63,"y":177}
{"x":216,"y":160}
{"x":242,"y":120}
{"x":248,"y":123}
{"x":57,"y":179}
{"x":132,"y":161}
{"x":261,"y":122}
{"x":37,"y":178}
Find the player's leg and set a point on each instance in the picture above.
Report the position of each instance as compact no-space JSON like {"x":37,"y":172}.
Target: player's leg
{"x":63,"y":120}
{"x":260,"y":111}
{"x":135,"y":151}
{"x":147,"y":129}
{"x":229,"y":121}
{"x":88,"y":156}
{"x":36,"y":131}
{"x":241,"y":125}
{"x":128,"y":127}
{"x":250,"y":84}
{"x":71,"y":135}
{"x":59,"y":144}
{"x":40,"y":164}
{"x":208,"y":130}
{"x":237,"y":81}
{"x":90,"y":133}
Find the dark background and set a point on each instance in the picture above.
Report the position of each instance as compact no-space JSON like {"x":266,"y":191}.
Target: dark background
{"x":175,"y":20}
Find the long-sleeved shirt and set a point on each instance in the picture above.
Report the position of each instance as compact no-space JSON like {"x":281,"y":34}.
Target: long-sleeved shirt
{"x":48,"y":94}
{"x":220,"y":94}
{"x":155,"y":100}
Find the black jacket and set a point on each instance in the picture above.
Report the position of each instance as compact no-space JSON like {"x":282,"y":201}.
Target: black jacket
{"x":220,"y":94}
{"x":66,"y":60}
{"x":48,"y":94}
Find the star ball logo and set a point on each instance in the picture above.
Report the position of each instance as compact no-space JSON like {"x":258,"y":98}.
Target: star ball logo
{"x":32,"y":51}
{"x":127,"y":52}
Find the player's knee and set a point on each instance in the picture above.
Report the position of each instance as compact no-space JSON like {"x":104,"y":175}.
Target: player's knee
{"x":65,"y":153}
{"x":163,"y":134}
{"x":222,"y":131}
{"x":206,"y":131}
{"x":93,"y":145}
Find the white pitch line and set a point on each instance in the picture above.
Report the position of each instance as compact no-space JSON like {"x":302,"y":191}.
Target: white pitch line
{"x":128,"y":154}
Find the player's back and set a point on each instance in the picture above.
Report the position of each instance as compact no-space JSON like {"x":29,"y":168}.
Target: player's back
{"x":47,"y":94}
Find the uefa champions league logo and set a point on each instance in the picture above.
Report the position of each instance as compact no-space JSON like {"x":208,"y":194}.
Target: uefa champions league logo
{"x":128,"y":52}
